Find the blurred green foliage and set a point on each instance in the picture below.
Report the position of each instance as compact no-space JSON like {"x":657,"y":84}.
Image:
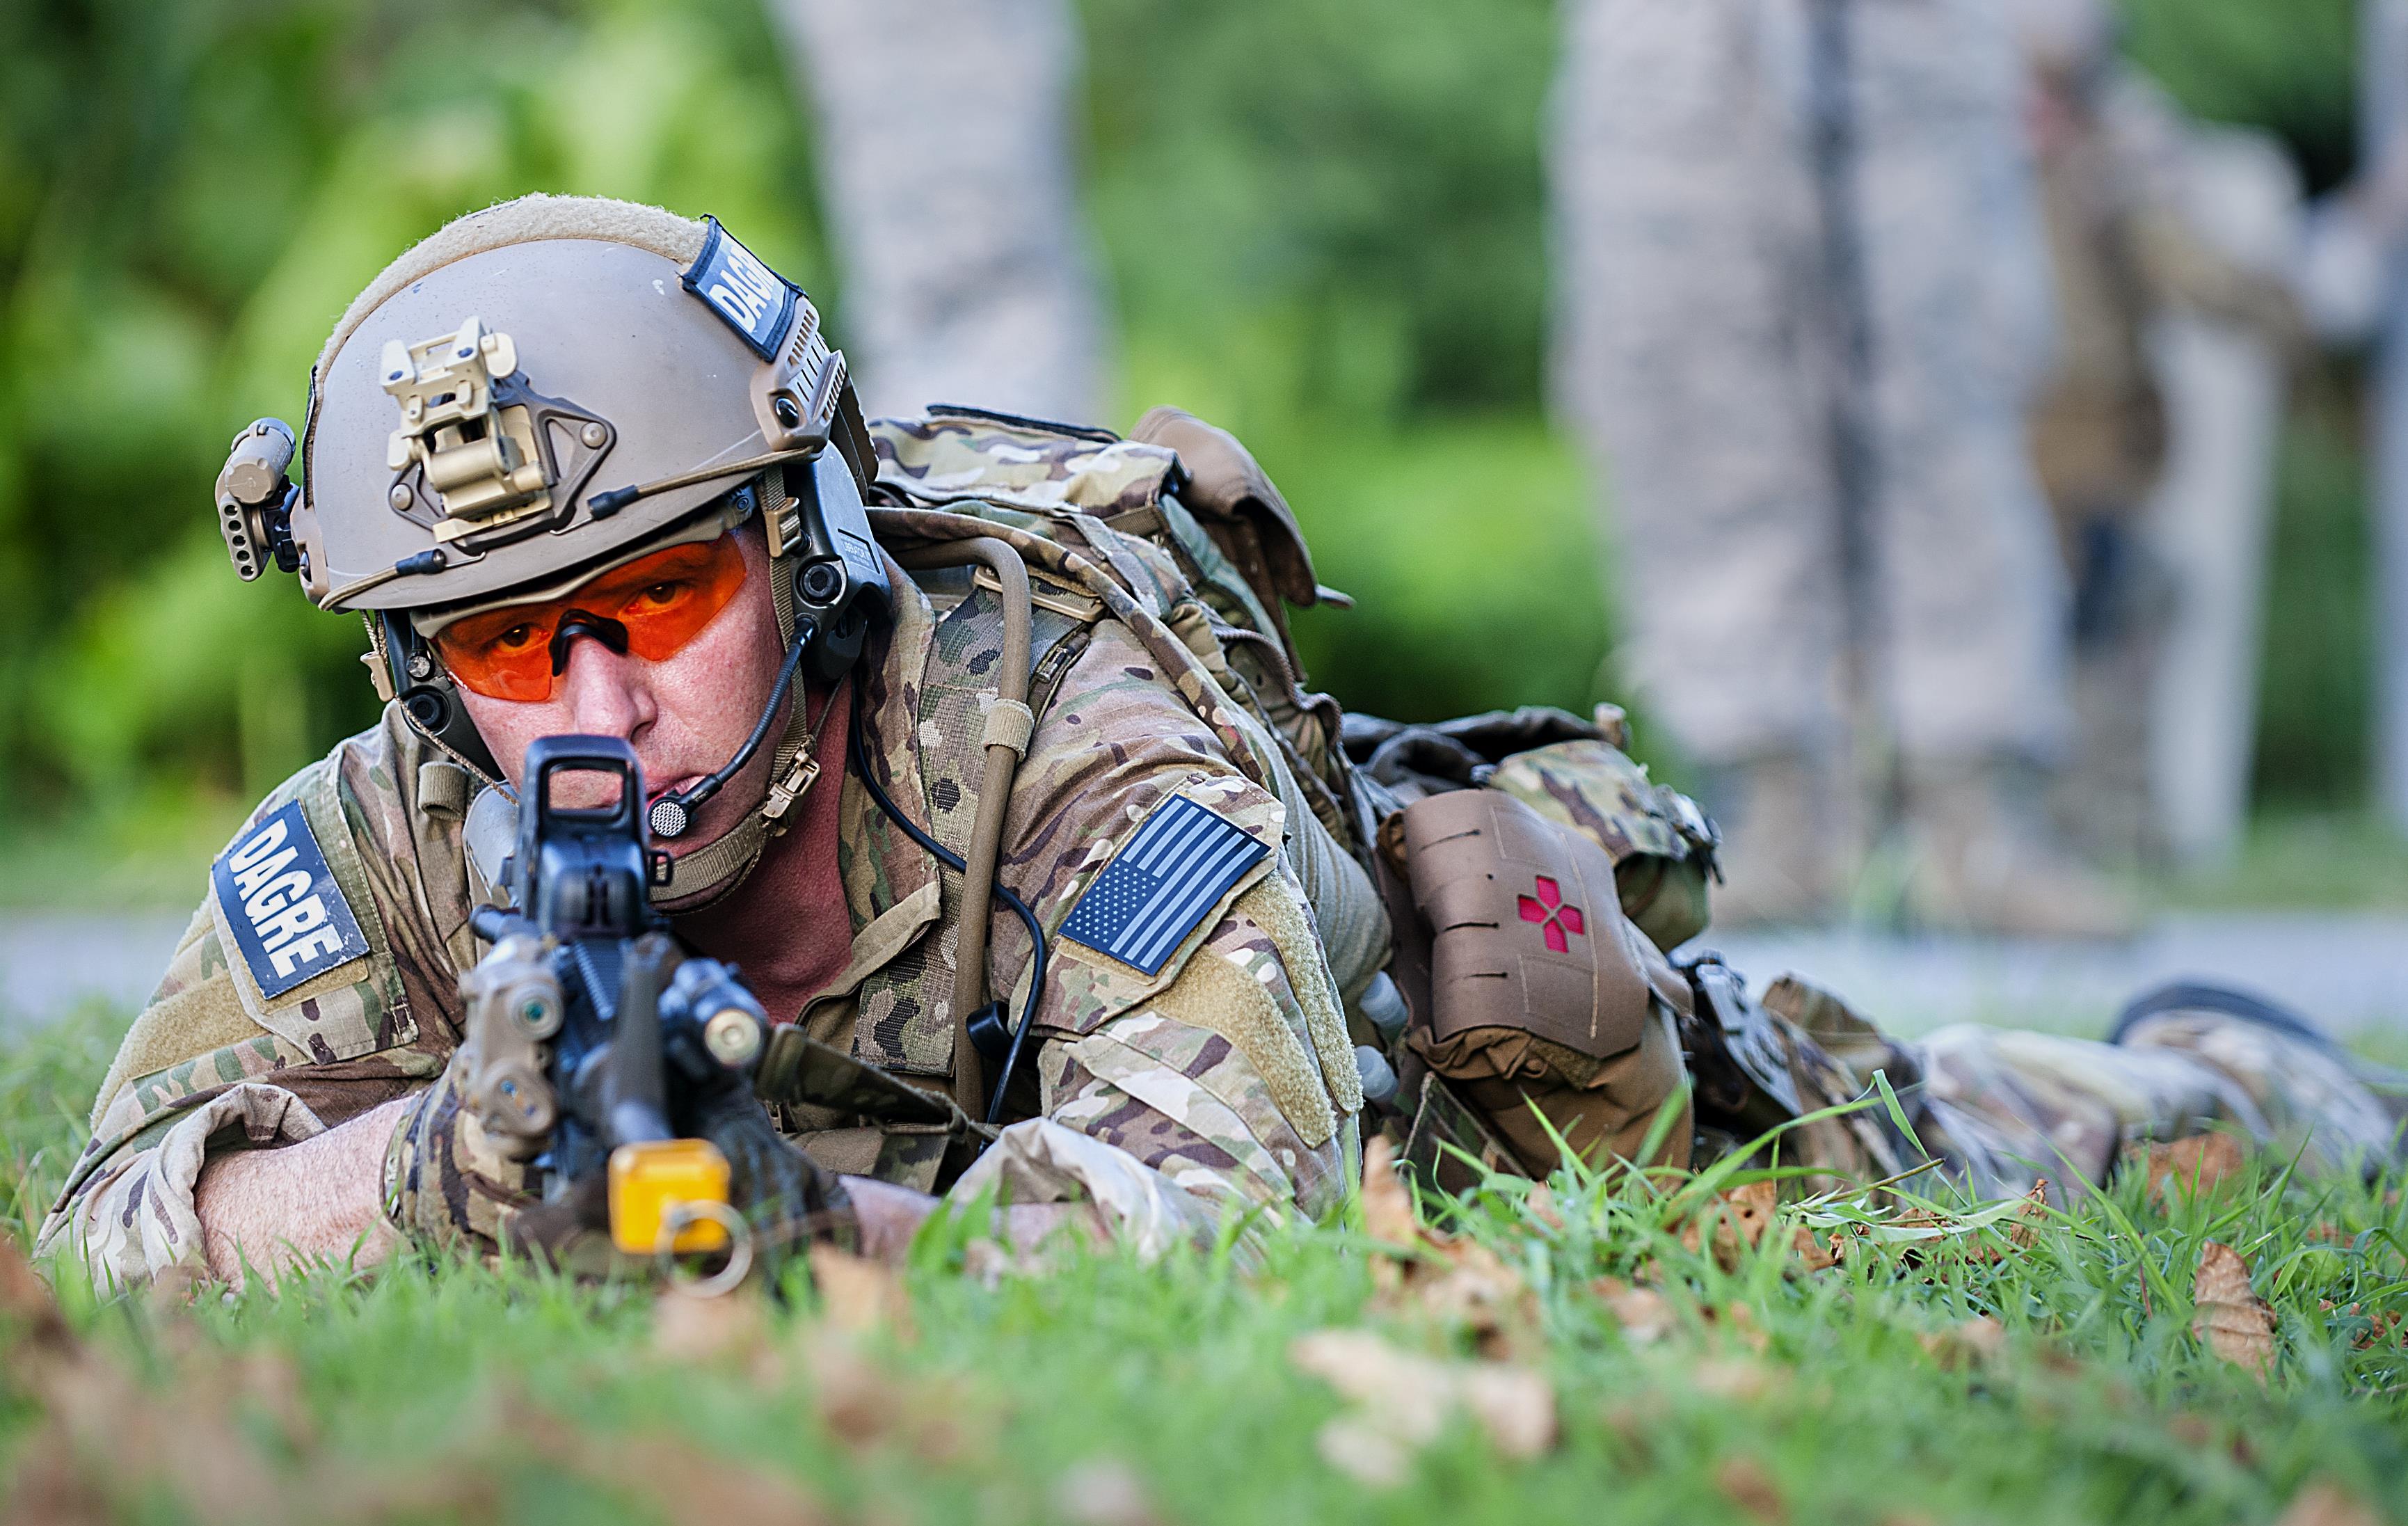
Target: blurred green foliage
{"x":1322,"y":221}
{"x":2288,"y":66}
{"x":189,"y":194}
{"x":1324,"y":224}
{"x":2316,"y":691}
{"x":1359,"y":178}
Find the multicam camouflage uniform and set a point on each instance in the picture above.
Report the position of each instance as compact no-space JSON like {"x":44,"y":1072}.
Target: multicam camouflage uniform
{"x":1226,"y":1072}
{"x":1697,"y":355}
{"x":2002,"y":1108}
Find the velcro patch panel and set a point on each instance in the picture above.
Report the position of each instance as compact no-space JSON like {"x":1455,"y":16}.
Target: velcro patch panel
{"x":280,"y":899}
{"x":756,"y":301}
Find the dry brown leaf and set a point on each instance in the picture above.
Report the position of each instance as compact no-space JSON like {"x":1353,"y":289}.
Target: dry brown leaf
{"x":1408,"y":1391}
{"x":686,"y":1485}
{"x":25,"y":1302}
{"x":2236,"y":1323}
{"x":1358,"y":1447}
{"x":112,"y":1445}
{"x":1745,"y":1483}
{"x":273,"y":1385}
{"x":1752,"y":1208}
{"x":1401,"y":1401}
{"x":689,"y":1327}
{"x":2197,"y":1164}
{"x":2324,"y":1504}
{"x":1387,"y":1202}
{"x":855,"y":1396}
{"x":1739,"y":1217}
{"x":1811,"y":1253}
{"x":1542,"y":1204}
{"x":1737,"y":1379}
{"x":1104,"y":1492}
{"x":1636,"y":1428}
{"x":1740,"y":1320}
{"x":857,"y":1294}
{"x":2030,"y":1217}
{"x":1513,"y":1405}
{"x":1967,"y":1343}
{"x":1470,"y":1287}
{"x":1644,"y":1315}
{"x":1451,"y":1278}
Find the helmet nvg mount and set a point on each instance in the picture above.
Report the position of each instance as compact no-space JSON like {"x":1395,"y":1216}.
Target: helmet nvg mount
{"x":540,"y":390}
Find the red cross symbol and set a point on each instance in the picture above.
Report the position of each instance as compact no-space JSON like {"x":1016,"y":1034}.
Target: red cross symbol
{"x":1549,"y":910}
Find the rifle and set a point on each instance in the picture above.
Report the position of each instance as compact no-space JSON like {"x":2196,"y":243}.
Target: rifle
{"x":591,"y":1037}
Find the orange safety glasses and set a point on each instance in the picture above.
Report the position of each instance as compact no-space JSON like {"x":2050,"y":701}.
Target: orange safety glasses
{"x":653,"y":607}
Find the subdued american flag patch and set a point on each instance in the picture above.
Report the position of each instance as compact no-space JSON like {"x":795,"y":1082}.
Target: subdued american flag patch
{"x":1167,"y":879}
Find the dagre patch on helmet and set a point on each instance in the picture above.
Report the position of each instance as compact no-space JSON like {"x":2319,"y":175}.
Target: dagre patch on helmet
{"x":1164,"y":880}
{"x":754,"y":300}
{"x":288,"y":916}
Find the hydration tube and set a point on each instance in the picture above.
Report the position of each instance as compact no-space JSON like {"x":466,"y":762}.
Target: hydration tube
{"x":1019,"y":908}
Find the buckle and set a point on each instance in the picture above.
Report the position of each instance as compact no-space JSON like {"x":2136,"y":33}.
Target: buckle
{"x":1746,"y":1031}
{"x":790,"y":786}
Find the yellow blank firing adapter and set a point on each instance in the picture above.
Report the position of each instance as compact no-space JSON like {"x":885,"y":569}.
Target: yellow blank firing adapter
{"x":650,"y":1182}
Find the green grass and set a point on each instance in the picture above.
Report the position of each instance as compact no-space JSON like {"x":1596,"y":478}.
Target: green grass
{"x":151,"y":854}
{"x":453,"y":1392}
{"x":2299,"y":860}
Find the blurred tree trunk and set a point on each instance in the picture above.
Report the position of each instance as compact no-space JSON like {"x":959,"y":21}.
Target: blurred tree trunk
{"x":945,"y":143}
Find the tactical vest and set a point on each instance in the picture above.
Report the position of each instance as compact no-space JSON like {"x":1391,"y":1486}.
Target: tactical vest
{"x":1116,"y":503}
{"x":1220,"y":579}
{"x":1055,"y":495}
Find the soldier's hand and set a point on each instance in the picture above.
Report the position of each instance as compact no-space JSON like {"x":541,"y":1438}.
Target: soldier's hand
{"x":450,"y":1181}
{"x":446,"y":1179}
{"x":784,"y":1194}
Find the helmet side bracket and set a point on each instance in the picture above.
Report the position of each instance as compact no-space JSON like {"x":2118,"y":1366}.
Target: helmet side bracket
{"x":415,"y":676}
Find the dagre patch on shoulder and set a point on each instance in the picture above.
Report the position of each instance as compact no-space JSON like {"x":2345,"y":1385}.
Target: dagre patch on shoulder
{"x":754,"y":300}
{"x":1164,"y":881}
{"x":279,"y":898}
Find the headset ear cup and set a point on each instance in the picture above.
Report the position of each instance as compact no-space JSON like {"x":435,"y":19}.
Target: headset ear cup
{"x":435,"y":707}
{"x":431,"y":701}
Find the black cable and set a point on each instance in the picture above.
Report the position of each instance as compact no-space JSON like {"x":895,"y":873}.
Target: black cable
{"x":953,"y":861}
{"x":685,"y":803}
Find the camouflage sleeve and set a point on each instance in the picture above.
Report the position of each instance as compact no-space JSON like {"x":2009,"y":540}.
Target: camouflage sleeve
{"x":194,"y":1069}
{"x":188,"y":1069}
{"x":132,"y":1219}
{"x":1235,"y":1080}
{"x":215,"y":1062}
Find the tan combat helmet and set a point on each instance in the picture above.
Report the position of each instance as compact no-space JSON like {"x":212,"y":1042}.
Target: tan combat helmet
{"x":537,"y":392}
{"x":492,"y":395}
